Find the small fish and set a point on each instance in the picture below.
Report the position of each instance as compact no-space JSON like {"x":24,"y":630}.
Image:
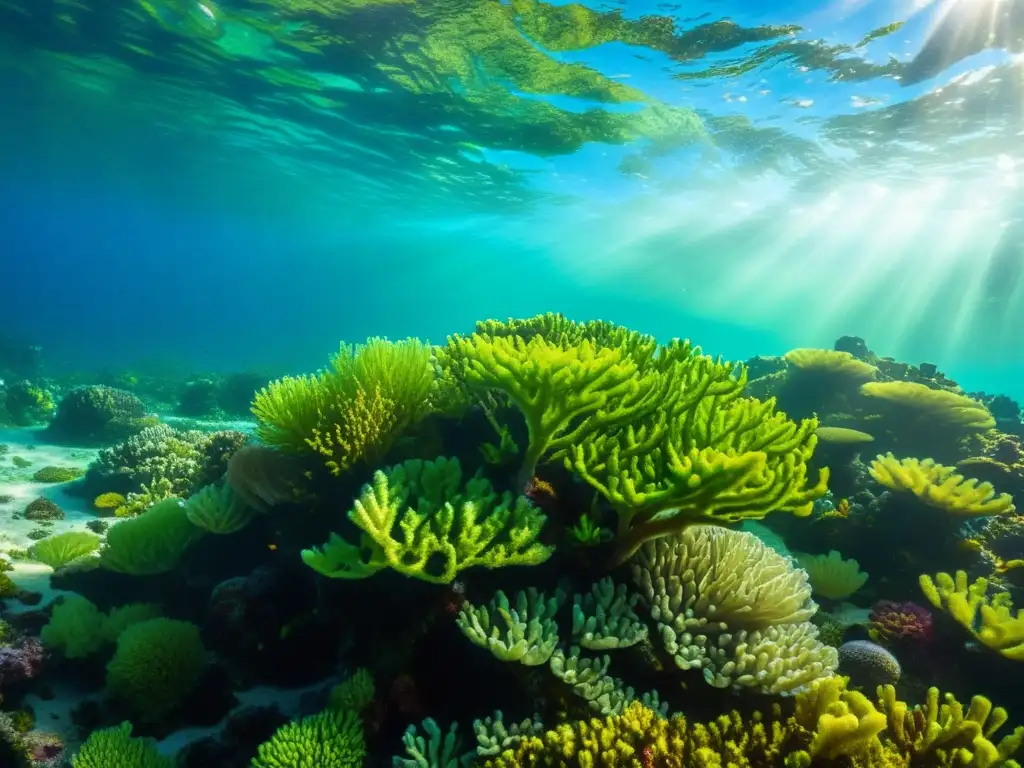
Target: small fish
{"x":272,"y":547}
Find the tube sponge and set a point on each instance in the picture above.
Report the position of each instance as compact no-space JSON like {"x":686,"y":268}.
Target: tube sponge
{"x":328,"y":740}
{"x":115,"y":748}
{"x":156,"y":665}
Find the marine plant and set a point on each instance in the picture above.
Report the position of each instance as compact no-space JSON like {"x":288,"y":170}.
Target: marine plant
{"x":217,"y":510}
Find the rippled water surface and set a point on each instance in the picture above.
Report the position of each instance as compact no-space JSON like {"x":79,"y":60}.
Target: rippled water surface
{"x":742,"y":157}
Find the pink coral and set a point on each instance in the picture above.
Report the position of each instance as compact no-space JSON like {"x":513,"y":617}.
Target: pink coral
{"x":895,"y":622}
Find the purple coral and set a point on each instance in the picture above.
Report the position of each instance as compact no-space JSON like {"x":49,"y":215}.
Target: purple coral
{"x":21,"y":661}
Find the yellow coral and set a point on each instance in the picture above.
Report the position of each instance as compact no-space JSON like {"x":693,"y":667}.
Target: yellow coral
{"x":361,"y":431}
{"x":828,"y":723}
{"x":940,"y":486}
{"x":936,"y":406}
{"x":991,"y":620}
{"x":946,"y":733}
{"x":288,"y":410}
{"x":831,"y":576}
{"x":356,"y":410}
{"x":842,"y":436}
{"x":831,"y":363}
{"x":108,"y":501}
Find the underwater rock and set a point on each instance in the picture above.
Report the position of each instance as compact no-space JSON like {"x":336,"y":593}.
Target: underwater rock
{"x":43,"y":509}
{"x":97,"y":414}
{"x":868,"y":664}
{"x":856,"y":346}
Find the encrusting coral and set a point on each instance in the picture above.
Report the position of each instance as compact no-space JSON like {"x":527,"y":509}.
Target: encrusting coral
{"x":991,"y":620}
{"x":423,"y":520}
{"x":940,"y":487}
{"x":730,"y":605}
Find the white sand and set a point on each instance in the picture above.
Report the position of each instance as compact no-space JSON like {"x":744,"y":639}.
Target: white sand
{"x":19,"y":484}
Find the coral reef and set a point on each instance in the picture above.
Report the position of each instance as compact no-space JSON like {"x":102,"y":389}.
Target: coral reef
{"x":615,"y":541}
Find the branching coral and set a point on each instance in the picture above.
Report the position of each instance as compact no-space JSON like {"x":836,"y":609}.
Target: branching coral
{"x":943,"y":734}
{"x":940,"y":487}
{"x":991,"y":620}
{"x":831,"y":576}
{"x":422,"y":520}
{"x":525,"y":632}
{"x":604,"y":619}
{"x":663,"y":434}
{"x":729,"y":605}
{"x":156,"y":453}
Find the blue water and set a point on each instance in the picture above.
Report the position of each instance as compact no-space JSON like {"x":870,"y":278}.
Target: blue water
{"x":193,"y":186}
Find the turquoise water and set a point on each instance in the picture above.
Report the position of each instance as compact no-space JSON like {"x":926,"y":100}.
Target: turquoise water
{"x":245,"y":183}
